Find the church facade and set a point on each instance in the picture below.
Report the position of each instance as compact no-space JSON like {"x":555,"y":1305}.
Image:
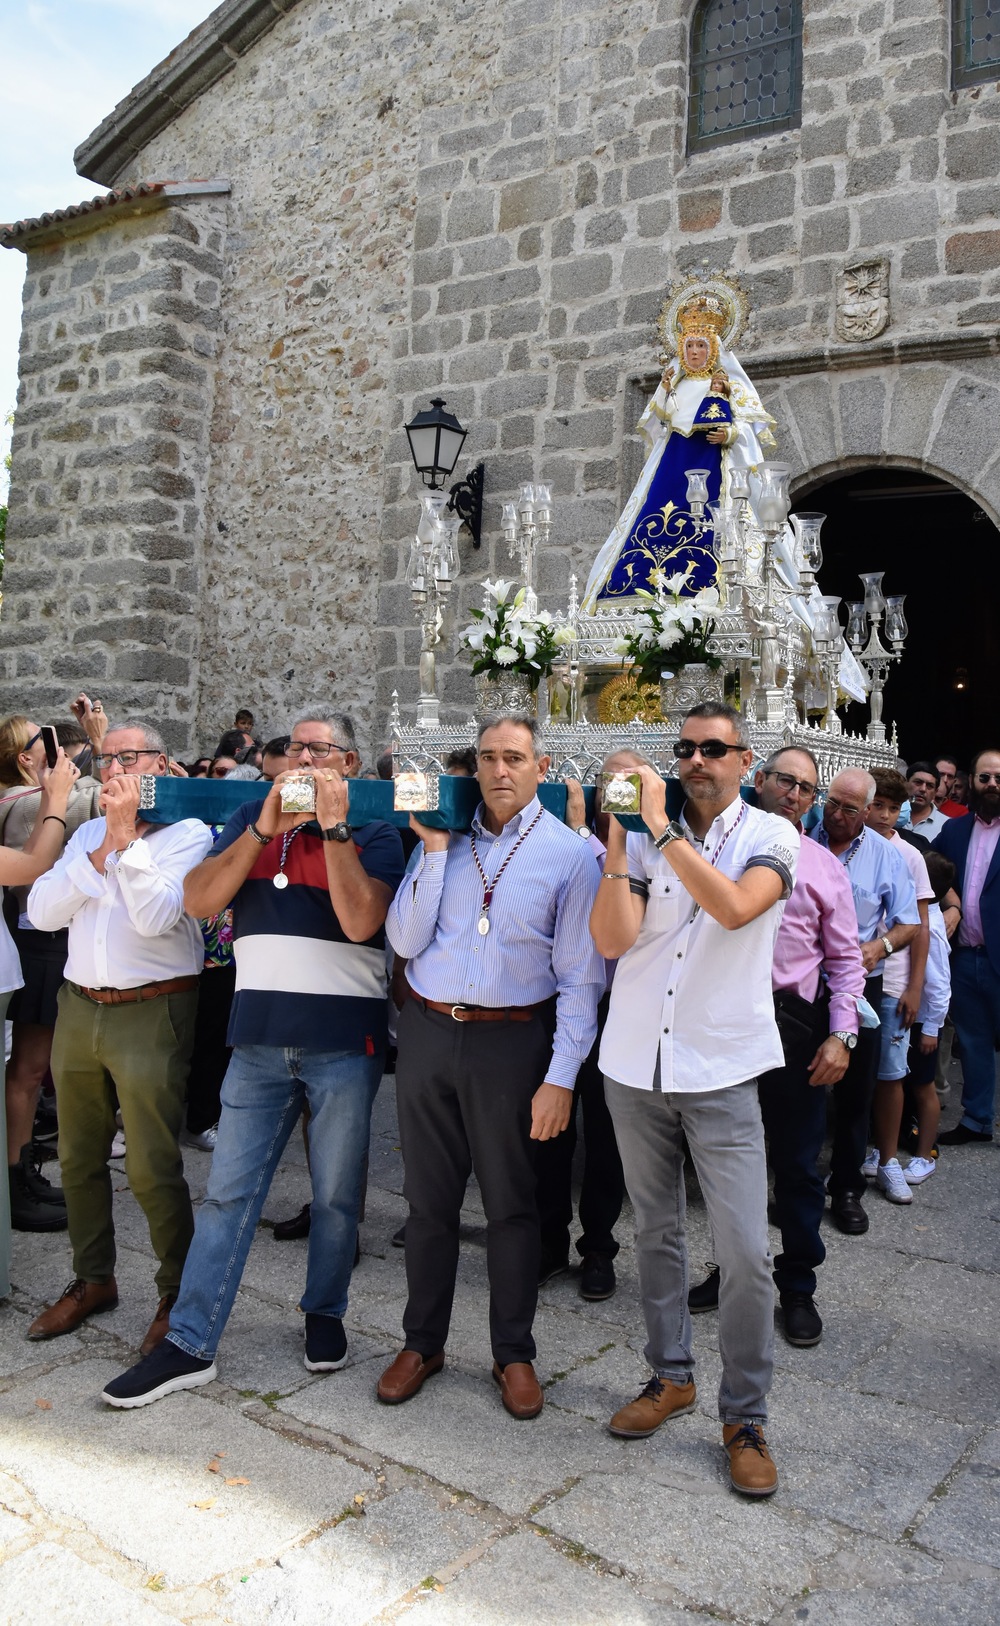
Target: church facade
{"x":322,"y":216}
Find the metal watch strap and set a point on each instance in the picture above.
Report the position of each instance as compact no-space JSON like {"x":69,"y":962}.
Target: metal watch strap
{"x":673,"y":832}
{"x":848,"y":1040}
{"x":889,"y":946}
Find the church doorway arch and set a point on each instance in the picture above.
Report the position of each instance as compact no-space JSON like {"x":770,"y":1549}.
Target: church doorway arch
{"x":937,"y":545}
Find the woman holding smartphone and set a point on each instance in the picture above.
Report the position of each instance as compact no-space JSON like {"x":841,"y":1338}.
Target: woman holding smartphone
{"x":40,"y":807}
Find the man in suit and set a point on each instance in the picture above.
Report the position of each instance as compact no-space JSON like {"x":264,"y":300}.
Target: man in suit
{"x":973,"y":845}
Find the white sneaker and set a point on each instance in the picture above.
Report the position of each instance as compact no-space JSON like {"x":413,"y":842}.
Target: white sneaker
{"x":118,"y":1145}
{"x":918,"y":1170}
{"x":869,"y":1167}
{"x":889,"y":1180}
{"x":204,"y":1141}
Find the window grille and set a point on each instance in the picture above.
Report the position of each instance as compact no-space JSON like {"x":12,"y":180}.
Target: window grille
{"x":975,"y":41}
{"x":746,"y":69}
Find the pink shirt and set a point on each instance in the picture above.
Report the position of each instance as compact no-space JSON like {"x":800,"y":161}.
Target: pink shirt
{"x":982,"y":846}
{"x":819,"y":931}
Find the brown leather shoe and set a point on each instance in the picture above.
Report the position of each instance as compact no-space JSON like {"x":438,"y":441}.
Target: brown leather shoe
{"x":160,"y":1324}
{"x":520,"y":1390}
{"x":80,"y":1300}
{"x":408,"y":1373}
{"x":751,"y":1468}
{"x":659,"y":1400}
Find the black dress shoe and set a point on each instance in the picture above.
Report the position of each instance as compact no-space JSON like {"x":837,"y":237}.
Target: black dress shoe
{"x":961,"y":1135}
{"x":399,"y":1237}
{"x":550,"y":1266}
{"x":802,"y":1324}
{"x":848,"y":1215}
{"x":291,"y":1230}
{"x":597,"y":1278}
{"x":705,"y":1295}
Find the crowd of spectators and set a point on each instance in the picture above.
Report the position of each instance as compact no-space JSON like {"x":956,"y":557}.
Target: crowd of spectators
{"x":779,"y":959}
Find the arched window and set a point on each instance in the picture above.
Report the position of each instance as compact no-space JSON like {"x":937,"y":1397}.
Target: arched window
{"x":746,"y":69}
{"x":975,"y":41}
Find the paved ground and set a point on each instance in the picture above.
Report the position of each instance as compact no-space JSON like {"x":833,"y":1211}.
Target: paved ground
{"x":275,"y":1496}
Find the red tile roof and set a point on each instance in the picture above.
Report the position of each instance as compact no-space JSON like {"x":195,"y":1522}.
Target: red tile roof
{"x":121,"y":197}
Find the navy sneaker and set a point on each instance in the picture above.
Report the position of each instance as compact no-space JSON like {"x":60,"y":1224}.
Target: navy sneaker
{"x":326,"y":1343}
{"x":166,"y":1369}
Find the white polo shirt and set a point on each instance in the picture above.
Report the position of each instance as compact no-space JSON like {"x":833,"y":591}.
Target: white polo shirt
{"x":688,"y":989}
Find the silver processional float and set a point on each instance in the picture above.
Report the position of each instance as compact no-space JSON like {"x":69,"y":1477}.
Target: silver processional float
{"x":705,"y":589}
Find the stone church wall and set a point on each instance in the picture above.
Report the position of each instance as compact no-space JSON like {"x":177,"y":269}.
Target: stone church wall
{"x":487,"y":202}
{"x":110,"y":466}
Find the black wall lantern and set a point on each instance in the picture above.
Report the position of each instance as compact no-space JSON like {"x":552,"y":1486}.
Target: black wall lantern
{"x":436,"y":440}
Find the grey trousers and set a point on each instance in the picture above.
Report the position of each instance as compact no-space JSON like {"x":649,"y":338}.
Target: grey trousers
{"x":726,"y":1138}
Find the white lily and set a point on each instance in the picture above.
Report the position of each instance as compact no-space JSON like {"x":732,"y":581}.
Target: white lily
{"x":472,"y":638}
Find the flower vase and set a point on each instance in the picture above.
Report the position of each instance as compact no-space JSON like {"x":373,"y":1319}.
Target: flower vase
{"x":499,"y":692}
{"x":686,"y":688}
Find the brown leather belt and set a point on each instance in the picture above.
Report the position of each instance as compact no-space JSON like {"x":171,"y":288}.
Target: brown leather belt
{"x":480,"y":1013}
{"x":135,"y":996}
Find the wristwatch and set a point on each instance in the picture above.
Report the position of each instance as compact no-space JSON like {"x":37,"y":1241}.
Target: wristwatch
{"x":848,"y":1039}
{"x":339,"y":832}
{"x":673,"y":832}
{"x":583,"y":831}
{"x":887,"y":944}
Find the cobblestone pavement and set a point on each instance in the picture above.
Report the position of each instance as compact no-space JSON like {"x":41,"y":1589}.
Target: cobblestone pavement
{"x":276,"y":1496}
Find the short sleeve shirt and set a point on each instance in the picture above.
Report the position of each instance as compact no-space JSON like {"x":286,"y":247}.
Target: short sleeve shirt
{"x":299,"y":980}
{"x":896,"y":969}
{"x":688,"y":991}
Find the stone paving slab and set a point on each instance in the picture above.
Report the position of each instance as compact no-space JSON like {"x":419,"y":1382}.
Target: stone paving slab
{"x":456,"y":1430}
{"x":927,"y":1603}
{"x":364,"y":1565}
{"x":130,"y":1477}
{"x":86,"y":1596}
{"x":524,"y":1579}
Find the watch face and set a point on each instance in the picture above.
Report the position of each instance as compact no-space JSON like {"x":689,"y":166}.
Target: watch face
{"x":342,"y":832}
{"x":583,"y":831}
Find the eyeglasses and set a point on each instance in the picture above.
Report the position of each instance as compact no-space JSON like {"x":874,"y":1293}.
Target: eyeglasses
{"x":685,"y":749}
{"x":33,"y":741}
{"x":988,"y":779}
{"x":128,"y":759}
{"x":786,"y":783}
{"x":843,"y":807}
{"x":316,"y":748}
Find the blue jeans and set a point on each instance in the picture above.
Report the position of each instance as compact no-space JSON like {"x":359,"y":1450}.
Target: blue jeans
{"x":975,"y":1011}
{"x":894,"y":1040}
{"x":263,"y":1094}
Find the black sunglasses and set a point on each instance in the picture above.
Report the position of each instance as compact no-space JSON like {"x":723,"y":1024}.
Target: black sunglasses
{"x":685,"y":749}
{"x":33,"y":741}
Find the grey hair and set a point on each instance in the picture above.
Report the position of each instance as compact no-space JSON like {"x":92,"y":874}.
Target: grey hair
{"x":768,"y":766}
{"x":709,"y":709}
{"x":153,"y":738}
{"x":338,"y":721}
{"x":522,"y":719}
{"x":862,"y":773}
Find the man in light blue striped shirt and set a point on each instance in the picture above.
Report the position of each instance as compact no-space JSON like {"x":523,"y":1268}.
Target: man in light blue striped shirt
{"x":505,"y":982}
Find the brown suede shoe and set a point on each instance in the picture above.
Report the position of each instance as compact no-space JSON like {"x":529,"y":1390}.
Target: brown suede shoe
{"x":751,"y":1467}
{"x":160,"y":1324}
{"x":659,"y":1400}
{"x":408,"y":1373}
{"x":520,"y":1390}
{"x":80,"y":1300}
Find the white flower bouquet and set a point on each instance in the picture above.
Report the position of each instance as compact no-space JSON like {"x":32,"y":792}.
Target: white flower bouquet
{"x":505,"y":638}
{"x":670,"y":631}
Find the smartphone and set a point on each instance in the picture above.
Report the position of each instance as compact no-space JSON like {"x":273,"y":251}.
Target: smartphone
{"x":51,"y":744}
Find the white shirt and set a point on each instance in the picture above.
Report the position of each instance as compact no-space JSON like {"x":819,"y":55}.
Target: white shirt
{"x":688,"y":989}
{"x":127,"y":926}
{"x":896,"y":969}
{"x":10,"y":964}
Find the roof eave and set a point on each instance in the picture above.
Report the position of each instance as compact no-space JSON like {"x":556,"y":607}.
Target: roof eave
{"x":208,"y":53}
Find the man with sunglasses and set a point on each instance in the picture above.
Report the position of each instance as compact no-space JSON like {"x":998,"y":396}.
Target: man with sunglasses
{"x":692,"y":909}
{"x":125,"y":1024}
{"x":885,"y":905}
{"x":972,"y":842}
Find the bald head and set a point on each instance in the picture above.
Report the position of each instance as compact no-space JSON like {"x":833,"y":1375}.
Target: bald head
{"x":844,"y":812}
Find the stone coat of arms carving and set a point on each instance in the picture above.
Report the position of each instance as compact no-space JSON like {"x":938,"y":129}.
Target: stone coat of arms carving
{"x":863,"y":300}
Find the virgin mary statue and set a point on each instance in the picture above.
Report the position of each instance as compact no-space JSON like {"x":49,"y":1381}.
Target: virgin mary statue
{"x":707,"y":418}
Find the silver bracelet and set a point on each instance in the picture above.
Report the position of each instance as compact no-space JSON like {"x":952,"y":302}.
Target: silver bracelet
{"x":615,"y":875}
